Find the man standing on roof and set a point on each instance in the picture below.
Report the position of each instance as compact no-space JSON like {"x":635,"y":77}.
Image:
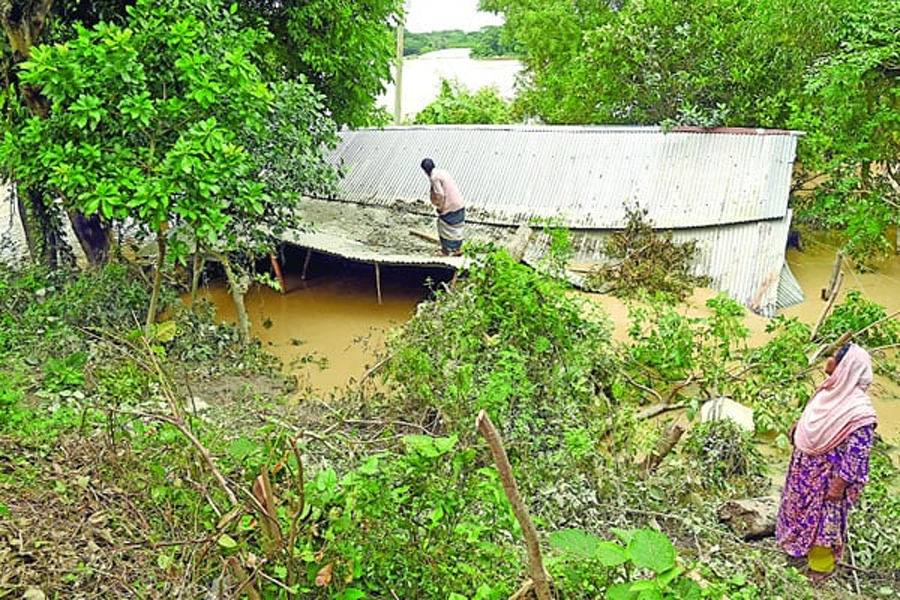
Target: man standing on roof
{"x":450,"y":207}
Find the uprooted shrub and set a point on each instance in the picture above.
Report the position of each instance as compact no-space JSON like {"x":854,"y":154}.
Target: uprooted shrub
{"x":722,"y":457}
{"x":510,"y":341}
{"x":645,"y":261}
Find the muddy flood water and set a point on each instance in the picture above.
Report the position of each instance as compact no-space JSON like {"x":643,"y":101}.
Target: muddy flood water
{"x":325,"y":328}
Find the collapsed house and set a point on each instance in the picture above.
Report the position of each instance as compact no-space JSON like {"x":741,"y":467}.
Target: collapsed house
{"x":727,"y":189}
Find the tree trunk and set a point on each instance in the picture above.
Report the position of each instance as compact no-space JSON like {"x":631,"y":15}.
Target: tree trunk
{"x":24,"y":21}
{"x":196,"y":270}
{"x":93,"y":236}
{"x":157,"y":281}
{"x":238,"y":284}
{"x":43,"y":231}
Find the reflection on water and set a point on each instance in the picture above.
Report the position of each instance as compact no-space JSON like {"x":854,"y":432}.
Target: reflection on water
{"x":335,"y":314}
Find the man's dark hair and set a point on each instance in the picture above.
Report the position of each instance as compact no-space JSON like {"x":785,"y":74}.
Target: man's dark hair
{"x":427,"y":165}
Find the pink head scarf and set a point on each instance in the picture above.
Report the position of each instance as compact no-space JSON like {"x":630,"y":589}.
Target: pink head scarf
{"x":839,"y":407}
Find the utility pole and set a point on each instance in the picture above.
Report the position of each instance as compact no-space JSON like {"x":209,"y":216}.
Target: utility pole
{"x":398,"y":76}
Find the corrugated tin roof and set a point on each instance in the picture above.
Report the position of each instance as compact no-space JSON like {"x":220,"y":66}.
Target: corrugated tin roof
{"x":582,"y":176}
{"x":351,"y":249}
{"x":727,"y":189}
{"x":745,"y":260}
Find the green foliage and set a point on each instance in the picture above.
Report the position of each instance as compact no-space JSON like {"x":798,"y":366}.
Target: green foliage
{"x":670,"y":350}
{"x":425,"y":523}
{"x":873,"y":525}
{"x":66,"y":373}
{"x":777,"y":375}
{"x":47,"y":311}
{"x":418,"y":514}
{"x":456,"y":105}
{"x":168,"y":122}
{"x":487,"y":42}
{"x":345,"y":50}
{"x":492,"y":41}
{"x":662,"y":340}
{"x":642,"y":261}
{"x":11,"y":394}
{"x":857,"y":313}
{"x":678,"y":356}
{"x":596,"y":562}
{"x":724,"y":458}
{"x":850,"y":108}
{"x":511,"y":341}
{"x":122,"y":384}
{"x":704,"y":63}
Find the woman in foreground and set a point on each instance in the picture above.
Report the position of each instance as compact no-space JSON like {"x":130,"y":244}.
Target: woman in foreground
{"x":830,"y":463}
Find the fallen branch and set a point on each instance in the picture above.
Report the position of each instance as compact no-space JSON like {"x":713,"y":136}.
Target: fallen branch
{"x":833,"y":282}
{"x":265,"y":500}
{"x":680,"y":386}
{"x":300,"y":481}
{"x":204,"y":453}
{"x":246,"y":584}
{"x":644,"y":388}
{"x":878,"y":322}
{"x":826,"y":349}
{"x":539,"y":575}
{"x":658,"y":409}
{"x":831,"y":298}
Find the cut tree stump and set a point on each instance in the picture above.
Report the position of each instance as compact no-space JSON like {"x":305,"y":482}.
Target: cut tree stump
{"x":664,"y":445}
{"x":750,"y":518}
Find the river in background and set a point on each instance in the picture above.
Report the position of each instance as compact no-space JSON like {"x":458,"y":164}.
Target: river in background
{"x":421,"y":78}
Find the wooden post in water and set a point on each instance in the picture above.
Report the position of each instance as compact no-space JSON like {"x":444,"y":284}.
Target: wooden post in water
{"x":378,"y":282}
{"x":306,"y":263}
{"x":277,"y":269}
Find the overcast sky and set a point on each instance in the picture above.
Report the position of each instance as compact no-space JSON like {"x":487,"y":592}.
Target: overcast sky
{"x":440,"y":15}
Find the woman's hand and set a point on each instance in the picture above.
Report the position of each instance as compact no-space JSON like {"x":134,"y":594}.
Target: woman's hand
{"x":836,"y":488}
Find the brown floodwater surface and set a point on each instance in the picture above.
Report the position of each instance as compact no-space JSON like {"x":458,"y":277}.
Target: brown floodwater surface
{"x":325,"y":329}
{"x":334,"y":315}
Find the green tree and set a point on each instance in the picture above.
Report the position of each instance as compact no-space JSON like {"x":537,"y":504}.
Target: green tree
{"x":345,"y":49}
{"x":167,"y":122}
{"x":851,"y":113}
{"x":707,"y":62}
{"x":456,"y":105}
{"x":490,"y":42}
{"x":553,"y":77}
{"x":25,"y":22}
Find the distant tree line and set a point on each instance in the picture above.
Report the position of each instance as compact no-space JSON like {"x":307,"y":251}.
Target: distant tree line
{"x":487,"y":42}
